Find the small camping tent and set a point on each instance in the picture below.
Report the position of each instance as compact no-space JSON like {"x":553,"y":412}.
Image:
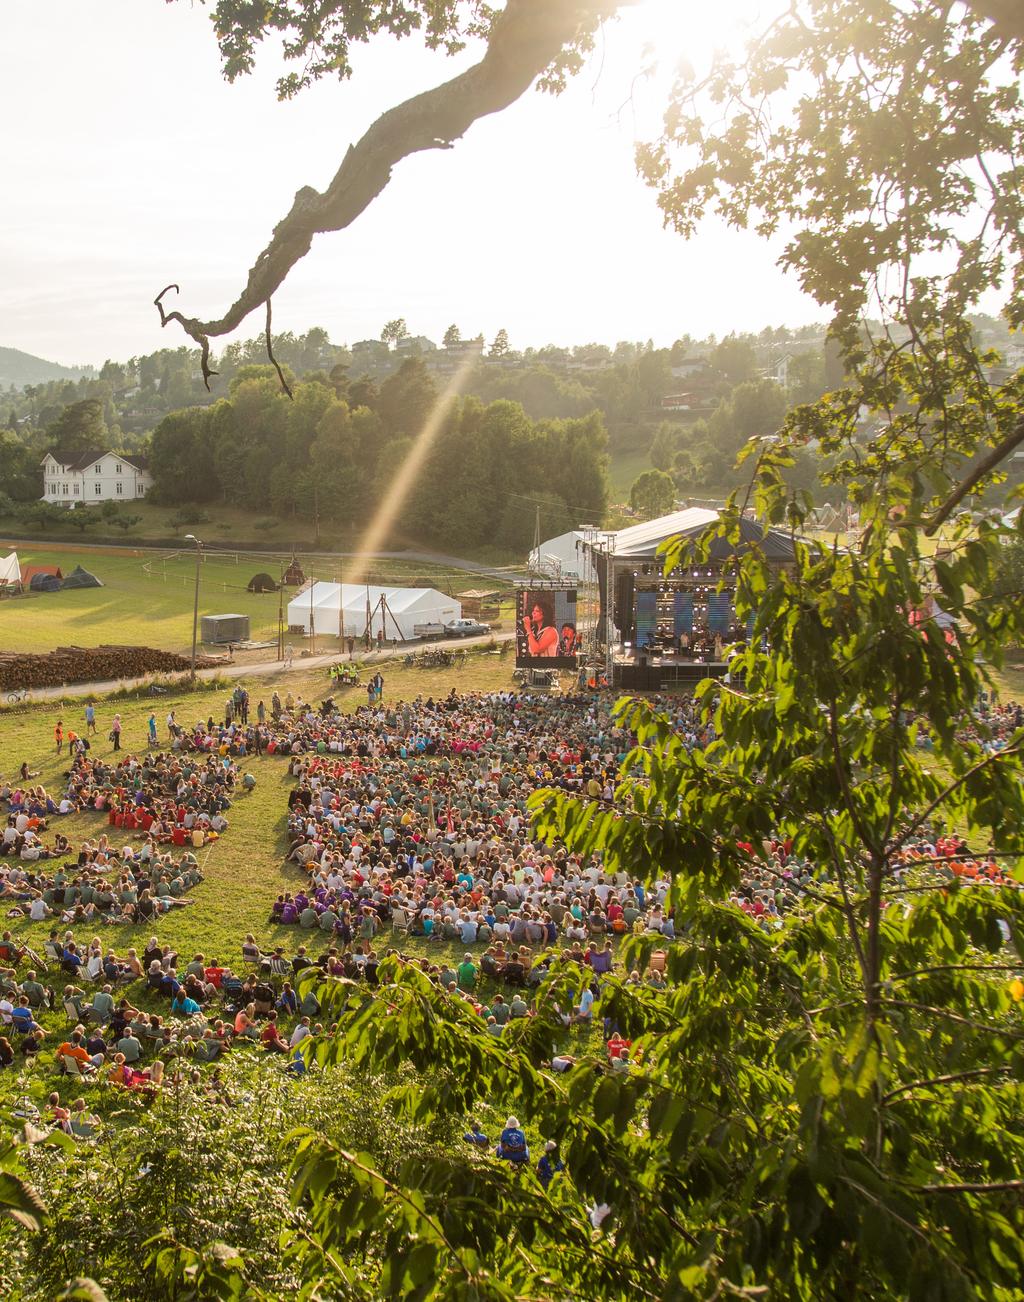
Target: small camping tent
{"x":261,"y":583}
{"x":80,"y":578}
{"x":44,"y":583}
{"x":29,"y":572}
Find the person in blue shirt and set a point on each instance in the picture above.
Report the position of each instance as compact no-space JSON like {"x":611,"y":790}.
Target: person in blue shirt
{"x":183,"y":1005}
{"x":512,"y":1146}
{"x":549,"y":1163}
{"x":474,"y":1135}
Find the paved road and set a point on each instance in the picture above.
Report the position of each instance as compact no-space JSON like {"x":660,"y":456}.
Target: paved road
{"x":262,"y":668}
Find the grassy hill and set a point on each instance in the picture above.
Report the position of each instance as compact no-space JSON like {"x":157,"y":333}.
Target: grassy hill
{"x":20,"y":368}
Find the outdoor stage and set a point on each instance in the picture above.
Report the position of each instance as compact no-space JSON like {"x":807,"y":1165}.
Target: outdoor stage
{"x":654,"y":674}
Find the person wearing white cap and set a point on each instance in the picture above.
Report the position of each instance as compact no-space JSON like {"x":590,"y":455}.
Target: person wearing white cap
{"x":512,"y":1144}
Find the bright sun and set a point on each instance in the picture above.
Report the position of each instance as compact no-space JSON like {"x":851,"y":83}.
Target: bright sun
{"x":693,"y":30}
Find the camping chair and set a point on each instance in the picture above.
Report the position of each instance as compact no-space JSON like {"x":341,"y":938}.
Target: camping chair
{"x":82,"y":1129}
{"x":400,"y":919}
{"x":72,"y":1067}
{"x":73,"y":1012}
{"x":658,"y":961}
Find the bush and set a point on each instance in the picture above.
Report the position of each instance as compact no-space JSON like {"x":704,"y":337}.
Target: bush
{"x":205,"y":1163}
{"x":190,"y":515}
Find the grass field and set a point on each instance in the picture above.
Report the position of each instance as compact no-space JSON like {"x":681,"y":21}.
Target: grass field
{"x":623,"y":468}
{"x":147,"y":596}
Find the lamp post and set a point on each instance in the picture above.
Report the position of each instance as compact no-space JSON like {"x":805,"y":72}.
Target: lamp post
{"x":190,"y":537}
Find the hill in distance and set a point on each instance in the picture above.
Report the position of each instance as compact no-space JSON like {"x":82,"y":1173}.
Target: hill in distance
{"x":20,"y":368}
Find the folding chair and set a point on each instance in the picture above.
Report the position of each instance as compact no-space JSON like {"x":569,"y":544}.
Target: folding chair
{"x":400,"y":919}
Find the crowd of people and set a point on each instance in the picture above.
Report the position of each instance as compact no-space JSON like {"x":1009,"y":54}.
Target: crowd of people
{"x":405,"y":819}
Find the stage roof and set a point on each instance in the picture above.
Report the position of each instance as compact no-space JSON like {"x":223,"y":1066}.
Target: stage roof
{"x":641,"y":541}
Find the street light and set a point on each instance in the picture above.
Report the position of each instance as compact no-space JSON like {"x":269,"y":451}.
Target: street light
{"x":190,"y":537}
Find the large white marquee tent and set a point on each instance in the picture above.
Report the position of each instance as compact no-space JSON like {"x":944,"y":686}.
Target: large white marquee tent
{"x":342,"y":606}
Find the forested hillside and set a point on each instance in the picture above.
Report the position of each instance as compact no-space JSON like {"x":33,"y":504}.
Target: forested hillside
{"x":335,"y":449}
{"x":541,"y":427}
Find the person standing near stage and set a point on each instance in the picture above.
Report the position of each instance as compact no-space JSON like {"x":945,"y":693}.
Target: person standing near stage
{"x":58,"y":735}
{"x":115,"y":732}
{"x":90,"y":718}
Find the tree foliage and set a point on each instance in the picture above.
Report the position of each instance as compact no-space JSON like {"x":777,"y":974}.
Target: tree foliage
{"x":652,"y":494}
{"x":260,"y":450}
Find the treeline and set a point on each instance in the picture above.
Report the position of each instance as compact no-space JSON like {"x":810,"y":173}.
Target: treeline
{"x":336,"y":449}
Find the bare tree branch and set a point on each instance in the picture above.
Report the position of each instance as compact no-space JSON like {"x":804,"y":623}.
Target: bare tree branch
{"x":270,"y":353}
{"x":526,"y":38}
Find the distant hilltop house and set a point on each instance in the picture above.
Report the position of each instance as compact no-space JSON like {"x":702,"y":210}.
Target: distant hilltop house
{"x":90,"y":477}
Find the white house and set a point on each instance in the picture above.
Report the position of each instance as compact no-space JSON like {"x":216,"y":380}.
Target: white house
{"x":93,"y":477}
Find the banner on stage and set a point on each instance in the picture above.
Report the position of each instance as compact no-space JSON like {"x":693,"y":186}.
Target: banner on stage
{"x":546,"y":631}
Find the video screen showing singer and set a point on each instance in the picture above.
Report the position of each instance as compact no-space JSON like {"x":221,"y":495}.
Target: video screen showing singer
{"x":542,"y":639}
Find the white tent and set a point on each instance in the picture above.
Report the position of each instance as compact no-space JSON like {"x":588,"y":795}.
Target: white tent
{"x":10,"y":571}
{"x":341,"y":607}
{"x":562,"y":558}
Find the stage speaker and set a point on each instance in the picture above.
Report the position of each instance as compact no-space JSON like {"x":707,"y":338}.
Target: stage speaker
{"x":623,"y":612}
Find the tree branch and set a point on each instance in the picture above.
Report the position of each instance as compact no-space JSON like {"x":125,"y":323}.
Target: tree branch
{"x":984,"y":466}
{"x":1004,"y":1031}
{"x":525,"y":39}
{"x":944,"y":1080}
{"x":270,"y":353}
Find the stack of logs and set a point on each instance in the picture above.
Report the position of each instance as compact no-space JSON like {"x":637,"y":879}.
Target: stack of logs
{"x":75,"y":664}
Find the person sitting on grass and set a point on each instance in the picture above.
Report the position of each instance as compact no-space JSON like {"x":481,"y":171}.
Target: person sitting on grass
{"x":512,"y":1145}
{"x":182,"y":1005}
{"x":270,"y":1036}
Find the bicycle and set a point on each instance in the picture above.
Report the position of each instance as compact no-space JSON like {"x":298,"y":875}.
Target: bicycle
{"x":18,"y":696}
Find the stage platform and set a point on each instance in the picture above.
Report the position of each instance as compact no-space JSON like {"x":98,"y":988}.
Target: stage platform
{"x":658,"y":674}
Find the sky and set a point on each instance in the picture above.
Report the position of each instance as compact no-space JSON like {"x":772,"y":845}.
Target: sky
{"x":129,"y":163}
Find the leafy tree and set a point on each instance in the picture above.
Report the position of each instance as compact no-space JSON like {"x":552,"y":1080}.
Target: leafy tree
{"x":652,"y":494}
{"x":452,"y":336}
{"x":499,"y":348}
{"x":1009,"y":575}
{"x":126,"y":522}
{"x":81,"y":518}
{"x":665,"y":445}
{"x":394,"y":331}
{"x":79,"y":428}
{"x":182,"y":459}
{"x":19,"y":468}
{"x":42,"y":514}
{"x":407,"y":398}
{"x":654,"y":375}
{"x":735,"y":359}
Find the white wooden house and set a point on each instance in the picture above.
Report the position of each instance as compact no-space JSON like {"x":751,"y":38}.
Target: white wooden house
{"x":90,"y":478}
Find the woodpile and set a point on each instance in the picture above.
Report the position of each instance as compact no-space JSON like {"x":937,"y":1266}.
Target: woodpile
{"x":76,"y":664}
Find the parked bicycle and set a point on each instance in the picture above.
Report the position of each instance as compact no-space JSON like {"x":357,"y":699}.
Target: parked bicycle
{"x":18,"y":696}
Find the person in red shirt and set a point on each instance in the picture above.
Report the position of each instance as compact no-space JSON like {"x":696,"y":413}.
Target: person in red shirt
{"x":270,"y":1036}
